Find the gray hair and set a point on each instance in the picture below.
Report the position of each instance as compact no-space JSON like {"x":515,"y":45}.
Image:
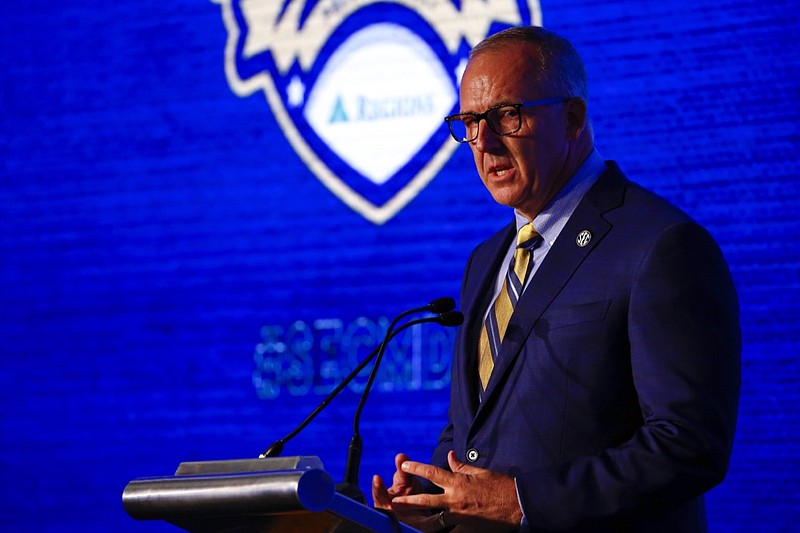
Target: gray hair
{"x":560,"y":67}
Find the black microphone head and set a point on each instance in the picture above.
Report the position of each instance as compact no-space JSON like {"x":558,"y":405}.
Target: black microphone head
{"x":442,"y":305}
{"x":451,"y":318}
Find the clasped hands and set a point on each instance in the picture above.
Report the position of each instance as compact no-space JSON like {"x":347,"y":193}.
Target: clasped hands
{"x":474,"y":499}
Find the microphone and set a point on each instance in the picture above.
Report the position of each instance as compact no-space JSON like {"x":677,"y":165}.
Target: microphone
{"x":444,"y":309}
{"x":446,"y":317}
{"x":451,"y":319}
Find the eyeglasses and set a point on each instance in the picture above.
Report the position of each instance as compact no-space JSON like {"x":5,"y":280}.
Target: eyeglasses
{"x":503,"y":119}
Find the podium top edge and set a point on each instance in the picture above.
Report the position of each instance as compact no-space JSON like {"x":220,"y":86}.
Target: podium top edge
{"x":239,"y":466}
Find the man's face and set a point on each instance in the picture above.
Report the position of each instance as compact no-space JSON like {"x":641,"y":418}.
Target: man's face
{"x":526,"y":169}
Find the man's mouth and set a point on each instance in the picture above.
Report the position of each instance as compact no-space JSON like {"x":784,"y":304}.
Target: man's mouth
{"x":500,"y":171}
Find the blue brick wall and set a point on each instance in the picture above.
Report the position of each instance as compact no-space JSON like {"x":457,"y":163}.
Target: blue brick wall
{"x":154,"y":224}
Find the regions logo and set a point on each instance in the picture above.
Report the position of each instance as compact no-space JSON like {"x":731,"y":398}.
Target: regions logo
{"x":360,"y":87}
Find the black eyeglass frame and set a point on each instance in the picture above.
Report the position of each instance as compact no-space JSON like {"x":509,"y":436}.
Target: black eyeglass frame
{"x":484,"y":116}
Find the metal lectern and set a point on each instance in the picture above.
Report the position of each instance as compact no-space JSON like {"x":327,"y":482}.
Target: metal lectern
{"x":281,"y":494}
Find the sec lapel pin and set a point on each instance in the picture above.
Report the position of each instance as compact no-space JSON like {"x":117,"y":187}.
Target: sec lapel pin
{"x":583,"y":238}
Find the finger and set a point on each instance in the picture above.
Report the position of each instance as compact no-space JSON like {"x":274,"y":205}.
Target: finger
{"x":429,"y":523}
{"x":461,"y":468}
{"x":401,"y":479}
{"x":380,"y":496}
{"x":399,"y":459}
{"x":402,"y":483}
{"x":452,"y":460}
{"x":418,"y":501}
{"x":436,"y":475}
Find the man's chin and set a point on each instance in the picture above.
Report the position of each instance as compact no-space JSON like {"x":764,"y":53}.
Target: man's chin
{"x":504,"y":195}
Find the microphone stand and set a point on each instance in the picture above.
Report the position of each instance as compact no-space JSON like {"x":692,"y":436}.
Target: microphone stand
{"x":349,"y":486}
{"x":276,"y":447}
{"x":440,"y":305}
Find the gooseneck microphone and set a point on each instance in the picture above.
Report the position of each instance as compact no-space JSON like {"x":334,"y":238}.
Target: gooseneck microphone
{"x":444,"y":316}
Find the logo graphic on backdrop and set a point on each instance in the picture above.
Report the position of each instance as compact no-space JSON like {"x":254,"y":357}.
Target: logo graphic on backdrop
{"x":360,"y":87}
{"x":313,"y":357}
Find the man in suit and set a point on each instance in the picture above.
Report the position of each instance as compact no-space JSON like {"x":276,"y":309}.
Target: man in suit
{"x":608,"y":400}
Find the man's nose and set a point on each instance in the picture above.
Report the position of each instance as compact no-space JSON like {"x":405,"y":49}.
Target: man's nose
{"x":487,"y":140}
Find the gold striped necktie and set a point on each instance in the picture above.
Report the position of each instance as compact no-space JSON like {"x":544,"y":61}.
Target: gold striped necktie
{"x":494,"y":327}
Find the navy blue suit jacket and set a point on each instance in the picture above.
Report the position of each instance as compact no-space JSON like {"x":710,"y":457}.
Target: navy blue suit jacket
{"x":613,"y":401}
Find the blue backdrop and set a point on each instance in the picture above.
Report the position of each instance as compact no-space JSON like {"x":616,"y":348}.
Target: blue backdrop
{"x":176,"y":284}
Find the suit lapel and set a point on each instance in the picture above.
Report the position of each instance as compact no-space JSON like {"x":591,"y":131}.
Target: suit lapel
{"x":558,"y":267}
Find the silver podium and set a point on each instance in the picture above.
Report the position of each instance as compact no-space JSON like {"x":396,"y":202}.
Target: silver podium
{"x":281,"y":494}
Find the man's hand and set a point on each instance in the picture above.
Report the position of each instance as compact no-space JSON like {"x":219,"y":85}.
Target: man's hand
{"x":474,"y":498}
{"x":403,"y":484}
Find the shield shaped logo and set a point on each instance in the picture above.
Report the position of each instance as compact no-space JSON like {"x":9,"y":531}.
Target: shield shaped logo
{"x":360,"y":87}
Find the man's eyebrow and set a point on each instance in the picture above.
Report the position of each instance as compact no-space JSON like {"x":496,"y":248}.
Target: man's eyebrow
{"x":501,"y":103}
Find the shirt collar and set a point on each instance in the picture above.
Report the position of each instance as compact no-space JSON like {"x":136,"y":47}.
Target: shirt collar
{"x":552,"y":219}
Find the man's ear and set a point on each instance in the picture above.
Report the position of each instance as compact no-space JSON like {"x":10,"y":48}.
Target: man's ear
{"x":576,"y":116}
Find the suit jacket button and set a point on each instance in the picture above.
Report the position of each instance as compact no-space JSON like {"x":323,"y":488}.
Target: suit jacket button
{"x":472,"y":455}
